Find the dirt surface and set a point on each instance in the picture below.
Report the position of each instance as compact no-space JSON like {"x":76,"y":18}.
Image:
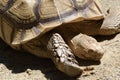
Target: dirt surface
{"x":16,"y":65}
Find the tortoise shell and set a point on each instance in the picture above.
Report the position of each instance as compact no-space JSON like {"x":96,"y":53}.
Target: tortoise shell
{"x":24,"y":20}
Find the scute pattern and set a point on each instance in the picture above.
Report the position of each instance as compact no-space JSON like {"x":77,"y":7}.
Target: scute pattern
{"x":6,"y":33}
{"x":22,"y":11}
{"x":3,"y":4}
{"x":28,"y":19}
{"x":48,"y":10}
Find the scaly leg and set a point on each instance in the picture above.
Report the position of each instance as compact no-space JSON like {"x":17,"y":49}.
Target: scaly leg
{"x":62,"y":56}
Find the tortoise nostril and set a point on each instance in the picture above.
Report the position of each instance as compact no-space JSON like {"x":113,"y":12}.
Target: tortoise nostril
{"x":108,"y":11}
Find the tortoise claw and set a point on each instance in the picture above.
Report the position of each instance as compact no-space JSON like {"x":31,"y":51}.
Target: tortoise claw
{"x":62,"y":56}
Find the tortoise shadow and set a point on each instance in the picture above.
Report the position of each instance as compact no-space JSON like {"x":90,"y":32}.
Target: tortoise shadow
{"x":19,"y":62}
{"x":87,"y":62}
{"x":101,"y":38}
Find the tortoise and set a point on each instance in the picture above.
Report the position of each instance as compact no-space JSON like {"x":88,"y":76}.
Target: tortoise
{"x":56,"y":29}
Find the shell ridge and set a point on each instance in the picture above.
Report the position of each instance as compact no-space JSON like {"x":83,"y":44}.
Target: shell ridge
{"x":75,"y":4}
{"x":85,"y":5}
{"x":72,"y":9}
{"x":36,"y":8}
{"x":98,"y":7}
{"x":59,"y":15}
{"x":8,"y":6}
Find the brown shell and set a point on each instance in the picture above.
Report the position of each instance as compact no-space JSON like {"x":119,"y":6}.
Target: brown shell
{"x":23,"y":20}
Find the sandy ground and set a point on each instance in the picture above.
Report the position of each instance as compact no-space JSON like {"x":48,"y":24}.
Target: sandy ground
{"x":16,"y":65}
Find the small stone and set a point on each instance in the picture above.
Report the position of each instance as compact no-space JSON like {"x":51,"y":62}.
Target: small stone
{"x":28,"y":71}
{"x":2,"y":67}
{"x":89,"y":69}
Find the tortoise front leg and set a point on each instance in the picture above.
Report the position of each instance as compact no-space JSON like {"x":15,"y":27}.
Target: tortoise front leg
{"x":62,"y":56}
